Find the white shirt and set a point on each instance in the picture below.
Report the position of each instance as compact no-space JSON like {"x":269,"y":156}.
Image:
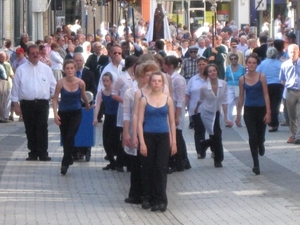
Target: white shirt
{"x":178,"y":96}
{"x":200,"y":51}
{"x":123,"y":83}
{"x":211,"y":103}
{"x":56,"y":60}
{"x":33,"y":82}
{"x":193,"y":91}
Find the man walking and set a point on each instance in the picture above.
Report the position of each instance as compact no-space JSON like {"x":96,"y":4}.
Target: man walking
{"x":290,"y":76}
{"x":33,"y":86}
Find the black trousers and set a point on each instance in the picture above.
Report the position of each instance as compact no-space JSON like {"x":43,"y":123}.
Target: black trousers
{"x":275,"y":93}
{"x":256,"y":127}
{"x":111,"y":137}
{"x":180,"y":158}
{"x":70,"y":122}
{"x":35,"y":116}
{"x":136,"y":187}
{"x":155,"y":167}
{"x":199,"y":133}
{"x":216,"y":140}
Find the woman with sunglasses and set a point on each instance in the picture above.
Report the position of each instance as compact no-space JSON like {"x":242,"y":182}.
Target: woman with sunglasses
{"x":232,"y":75}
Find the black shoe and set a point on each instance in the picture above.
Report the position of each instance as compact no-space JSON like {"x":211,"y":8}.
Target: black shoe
{"x":109,"y":167}
{"x":106,"y":158}
{"x":162,"y":207}
{"x":218,"y":164}
{"x":146,"y":204}
{"x":191,"y":125}
{"x":256,"y":170}
{"x":46,"y":158}
{"x":187,"y":165}
{"x":261,"y":150}
{"x":119,"y":169}
{"x":171,"y":170}
{"x":155,"y":208}
{"x":30,"y":158}
{"x":64,"y":170}
{"x":130,"y":200}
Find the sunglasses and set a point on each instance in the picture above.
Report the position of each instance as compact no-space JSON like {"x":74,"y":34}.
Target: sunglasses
{"x":233,"y":58}
{"x":193,"y":52}
{"x":117,"y":53}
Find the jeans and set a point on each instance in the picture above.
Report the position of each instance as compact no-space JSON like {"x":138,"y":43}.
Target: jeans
{"x":275,"y":94}
{"x":70,"y":122}
{"x":155,"y":167}
{"x":256,"y":127}
{"x":35,"y":116}
{"x":199,"y":133}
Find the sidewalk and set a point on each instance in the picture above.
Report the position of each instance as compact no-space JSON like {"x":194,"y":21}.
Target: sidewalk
{"x":36,"y":192}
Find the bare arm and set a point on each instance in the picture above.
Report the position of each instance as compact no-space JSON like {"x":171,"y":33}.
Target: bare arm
{"x":172,"y":126}
{"x":240,"y":101}
{"x":97,"y":108}
{"x":83,"y":95}
{"x":55,"y":102}
{"x":143,"y":147}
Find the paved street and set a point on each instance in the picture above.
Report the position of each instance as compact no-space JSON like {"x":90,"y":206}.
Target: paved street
{"x":36,"y":192}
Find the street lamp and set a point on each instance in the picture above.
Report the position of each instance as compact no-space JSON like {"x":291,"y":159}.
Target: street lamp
{"x":213,"y":9}
{"x":93,"y":4}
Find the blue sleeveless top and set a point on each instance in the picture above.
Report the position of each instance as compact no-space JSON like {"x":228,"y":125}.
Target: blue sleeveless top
{"x":111,"y":105}
{"x":69,"y":101}
{"x":156,"y":119}
{"x":254,"y":94}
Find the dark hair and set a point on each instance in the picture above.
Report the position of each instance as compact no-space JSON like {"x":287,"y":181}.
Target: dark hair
{"x":39,"y":42}
{"x":41,"y":47}
{"x":172,"y":60}
{"x":254,"y":56}
{"x":279,"y":45}
{"x":202,"y":59}
{"x":108,"y":74}
{"x":69,"y":61}
{"x":130,"y":61}
{"x":205,"y":72}
{"x":263,"y":39}
{"x":234,"y":54}
{"x":7,"y":43}
{"x":159,"y":59}
{"x":54,"y":45}
{"x":30,"y":47}
{"x":159,"y":44}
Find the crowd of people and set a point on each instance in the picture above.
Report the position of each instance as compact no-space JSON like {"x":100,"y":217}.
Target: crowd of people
{"x":142,"y":91}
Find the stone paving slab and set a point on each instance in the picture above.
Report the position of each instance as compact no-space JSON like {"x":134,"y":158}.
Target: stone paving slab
{"x":36,"y":193}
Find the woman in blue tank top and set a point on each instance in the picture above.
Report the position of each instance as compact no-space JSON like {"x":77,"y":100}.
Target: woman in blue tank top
{"x":68,"y":117}
{"x":156,"y":132}
{"x":110,"y":132}
{"x":257,"y":112}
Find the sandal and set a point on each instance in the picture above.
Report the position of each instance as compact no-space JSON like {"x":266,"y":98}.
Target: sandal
{"x":273,"y":129}
{"x":239,"y":125}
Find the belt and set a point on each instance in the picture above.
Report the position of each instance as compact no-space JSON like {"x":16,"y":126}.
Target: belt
{"x":34,"y":101}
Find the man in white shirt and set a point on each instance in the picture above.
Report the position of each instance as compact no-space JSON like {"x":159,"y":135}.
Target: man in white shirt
{"x":201,"y":44}
{"x":33,"y":86}
{"x":114,"y":67}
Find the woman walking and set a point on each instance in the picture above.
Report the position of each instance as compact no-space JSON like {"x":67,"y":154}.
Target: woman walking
{"x":232,"y":75}
{"x":257,"y":112}
{"x":68,"y":117}
{"x":213,"y":109}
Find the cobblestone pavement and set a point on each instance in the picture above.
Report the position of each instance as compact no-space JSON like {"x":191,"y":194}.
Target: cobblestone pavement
{"x":36,"y":192}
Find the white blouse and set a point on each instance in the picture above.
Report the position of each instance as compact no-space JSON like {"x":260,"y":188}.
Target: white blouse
{"x":211,"y":103}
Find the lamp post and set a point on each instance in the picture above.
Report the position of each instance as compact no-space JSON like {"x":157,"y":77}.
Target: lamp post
{"x":213,"y":9}
{"x":93,"y":3}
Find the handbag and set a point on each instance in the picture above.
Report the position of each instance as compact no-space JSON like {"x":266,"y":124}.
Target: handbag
{"x":236,"y":88}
